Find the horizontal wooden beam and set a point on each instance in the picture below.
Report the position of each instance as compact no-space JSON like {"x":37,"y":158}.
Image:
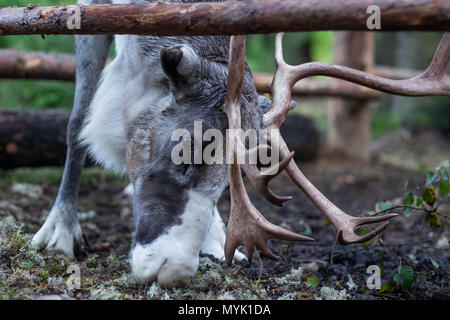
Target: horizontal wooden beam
{"x":16,"y":64}
{"x":232,"y":17}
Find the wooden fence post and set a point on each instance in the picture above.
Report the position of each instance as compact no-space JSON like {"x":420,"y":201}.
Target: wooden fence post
{"x":349,"y":120}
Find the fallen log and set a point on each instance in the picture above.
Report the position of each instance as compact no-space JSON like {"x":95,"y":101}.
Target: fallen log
{"x":36,"y":138}
{"x":232,"y":17}
{"x":31,"y":138}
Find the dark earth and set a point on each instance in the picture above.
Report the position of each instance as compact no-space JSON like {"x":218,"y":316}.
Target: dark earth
{"x":353,"y":186}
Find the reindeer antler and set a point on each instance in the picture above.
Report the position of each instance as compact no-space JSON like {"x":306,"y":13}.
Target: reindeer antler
{"x":433,"y":81}
{"x":246,"y":225}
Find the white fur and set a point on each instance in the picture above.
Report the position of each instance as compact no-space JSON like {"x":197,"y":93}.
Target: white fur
{"x":103,"y":132}
{"x":128,"y":190}
{"x":119,"y":99}
{"x":172,"y":259}
{"x":215,"y":240}
{"x":57,"y":233}
{"x":120,"y":42}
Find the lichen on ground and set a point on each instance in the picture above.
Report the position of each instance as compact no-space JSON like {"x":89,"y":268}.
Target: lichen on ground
{"x":16,"y":248}
{"x":327,"y":293}
{"x":304,"y":271}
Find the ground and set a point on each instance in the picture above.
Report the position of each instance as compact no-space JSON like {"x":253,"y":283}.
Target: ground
{"x":413,"y":257}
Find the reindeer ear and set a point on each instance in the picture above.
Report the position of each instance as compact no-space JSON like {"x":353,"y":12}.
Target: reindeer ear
{"x":265,"y":103}
{"x":180,"y":64}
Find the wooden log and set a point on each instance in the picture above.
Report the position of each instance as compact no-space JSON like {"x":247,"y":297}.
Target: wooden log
{"x":16,"y":64}
{"x":35,"y":138}
{"x":32,"y":138}
{"x":232,"y":17}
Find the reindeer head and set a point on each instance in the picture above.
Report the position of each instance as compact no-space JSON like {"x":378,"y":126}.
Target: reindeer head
{"x":174,"y":201}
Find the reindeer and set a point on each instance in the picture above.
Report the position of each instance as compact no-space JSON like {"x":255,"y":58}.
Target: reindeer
{"x":156,"y":85}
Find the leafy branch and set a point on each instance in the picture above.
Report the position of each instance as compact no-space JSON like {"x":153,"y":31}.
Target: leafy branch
{"x":434,"y":191}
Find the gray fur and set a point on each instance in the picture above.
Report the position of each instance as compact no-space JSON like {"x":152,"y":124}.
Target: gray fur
{"x":201,"y":99}
{"x":91,"y":52}
{"x":161,"y":187}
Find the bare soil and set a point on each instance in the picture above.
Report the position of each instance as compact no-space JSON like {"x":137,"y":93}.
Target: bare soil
{"x":304,"y":271}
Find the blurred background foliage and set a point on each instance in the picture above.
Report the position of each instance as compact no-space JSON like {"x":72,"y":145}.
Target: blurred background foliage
{"x":407,"y":50}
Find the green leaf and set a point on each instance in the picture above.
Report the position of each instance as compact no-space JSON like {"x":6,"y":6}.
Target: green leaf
{"x":434,"y":263}
{"x":444,"y":188}
{"x":409,"y":201}
{"x":419,"y":202}
{"x":387,"y":287}
{"x":429,"y":196}
{"x":433,"y":219}
{"x":431,"y":177}
{"x":382,"y":206}
{"x":312,"y":280}
{"x":404,"y":277}
{"x":405,"y":186}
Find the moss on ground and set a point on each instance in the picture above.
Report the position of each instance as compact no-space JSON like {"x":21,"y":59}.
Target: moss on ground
{"x":29,"y":274}
{"x":53,"y":175}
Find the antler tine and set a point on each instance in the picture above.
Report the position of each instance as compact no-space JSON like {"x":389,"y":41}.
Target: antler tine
{"x":432,"y":81}
{"x":342,"y":222}
{"x":438,"y":66}
{"x":246,"y":226}
{"x":279,"y":57}
{"x":260,"y":182}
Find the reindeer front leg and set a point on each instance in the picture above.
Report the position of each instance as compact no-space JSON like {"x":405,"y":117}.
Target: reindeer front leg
{"x":61,"y":231}
{"x":215,"y":240}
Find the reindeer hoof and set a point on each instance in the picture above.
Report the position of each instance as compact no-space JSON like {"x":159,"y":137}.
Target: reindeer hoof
{"x":57,"y":235}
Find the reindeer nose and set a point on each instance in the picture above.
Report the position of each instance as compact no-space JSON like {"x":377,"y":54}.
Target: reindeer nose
{"x":149,"y":266}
